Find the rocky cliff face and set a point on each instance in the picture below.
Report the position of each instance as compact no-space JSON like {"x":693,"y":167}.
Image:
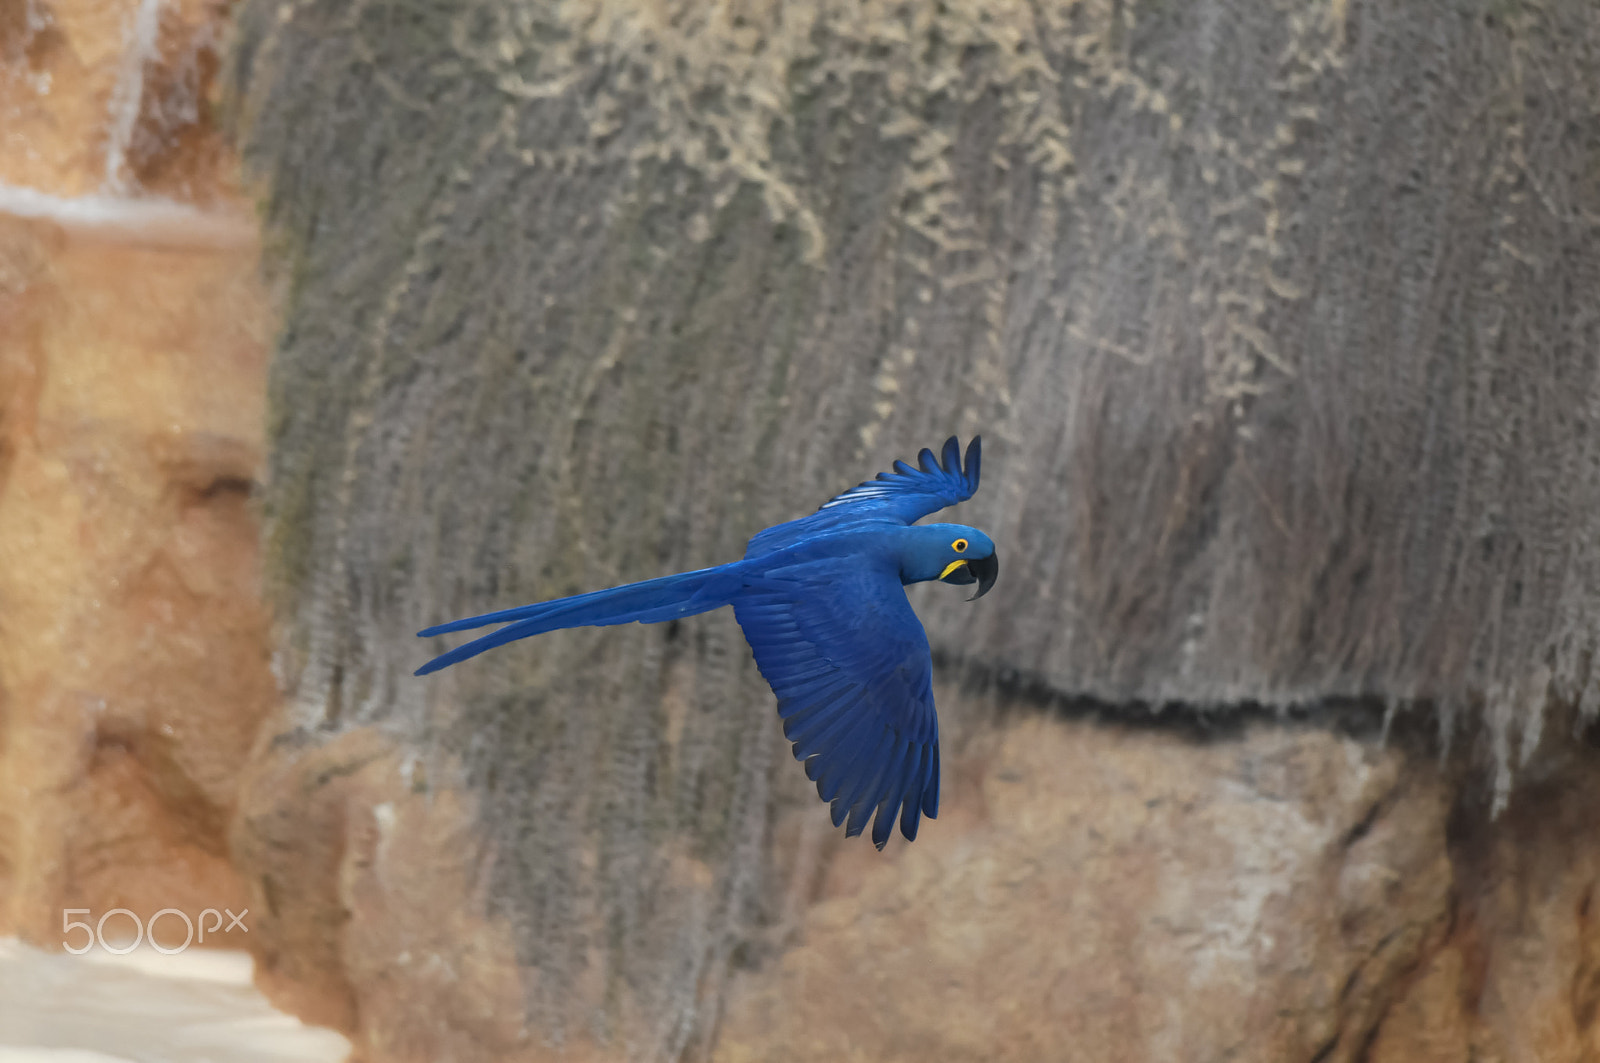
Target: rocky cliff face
{"x":1276,"y":324}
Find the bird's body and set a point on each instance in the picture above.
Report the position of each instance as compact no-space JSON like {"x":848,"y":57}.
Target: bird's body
{"x":822,"y":603}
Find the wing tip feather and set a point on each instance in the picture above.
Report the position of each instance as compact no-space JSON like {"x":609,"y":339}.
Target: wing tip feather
{"x":951,"y":464}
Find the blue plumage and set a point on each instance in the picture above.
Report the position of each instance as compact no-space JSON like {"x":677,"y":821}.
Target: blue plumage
{"x":822,"y":603}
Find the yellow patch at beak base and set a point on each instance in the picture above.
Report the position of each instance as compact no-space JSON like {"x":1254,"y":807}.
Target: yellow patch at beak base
{"x":952,"y":566}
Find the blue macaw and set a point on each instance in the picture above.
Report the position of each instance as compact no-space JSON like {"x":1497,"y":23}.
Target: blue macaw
{"x":822,"y":604}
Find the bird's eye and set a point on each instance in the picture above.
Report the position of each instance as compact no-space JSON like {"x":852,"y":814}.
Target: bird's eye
{"x":959,"y":546}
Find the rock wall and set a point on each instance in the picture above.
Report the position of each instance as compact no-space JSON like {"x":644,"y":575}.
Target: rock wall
{"x":1274,"y":319}
{"x":1281,"y":892}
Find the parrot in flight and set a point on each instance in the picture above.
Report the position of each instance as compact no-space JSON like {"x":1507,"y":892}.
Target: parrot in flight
{"x":822,"y":603}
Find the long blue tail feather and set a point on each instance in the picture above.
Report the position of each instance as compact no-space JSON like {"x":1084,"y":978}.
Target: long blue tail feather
{"x":647,"y":602}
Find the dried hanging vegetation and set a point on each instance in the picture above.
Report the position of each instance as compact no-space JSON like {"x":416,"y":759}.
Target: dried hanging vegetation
{"x":1278,"y":317}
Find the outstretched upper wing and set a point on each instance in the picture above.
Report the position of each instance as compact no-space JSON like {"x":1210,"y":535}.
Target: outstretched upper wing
{"x":848,"y":659}
{"x":904,"y":495}
{"x":909,"y":494}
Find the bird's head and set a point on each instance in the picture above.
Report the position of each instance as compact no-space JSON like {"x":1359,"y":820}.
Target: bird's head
{"x":952,"y":553}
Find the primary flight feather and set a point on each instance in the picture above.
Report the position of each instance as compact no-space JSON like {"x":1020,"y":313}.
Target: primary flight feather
{"x":822,"y":603}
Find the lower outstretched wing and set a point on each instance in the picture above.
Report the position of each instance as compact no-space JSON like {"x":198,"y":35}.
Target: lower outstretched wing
{"x":848,"y":659}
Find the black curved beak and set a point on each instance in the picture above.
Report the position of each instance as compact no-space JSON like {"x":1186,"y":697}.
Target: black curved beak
{"x":987,"y":570}
{"x":982,"y":570}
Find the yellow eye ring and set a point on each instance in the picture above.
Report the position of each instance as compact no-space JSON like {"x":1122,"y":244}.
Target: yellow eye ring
{"x":959,"y":546}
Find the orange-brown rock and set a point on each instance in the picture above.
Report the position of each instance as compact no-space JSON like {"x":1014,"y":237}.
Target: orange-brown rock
{"x":1519,"y":976}
{"x":373,"y":913}
{"x":1091,"y":892}
{"x":1110,"y":894}
{"x":1100,"y":893}
{"x":112,"y":96}
{"x":134,"y":649}
{"x":134,"y":669}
